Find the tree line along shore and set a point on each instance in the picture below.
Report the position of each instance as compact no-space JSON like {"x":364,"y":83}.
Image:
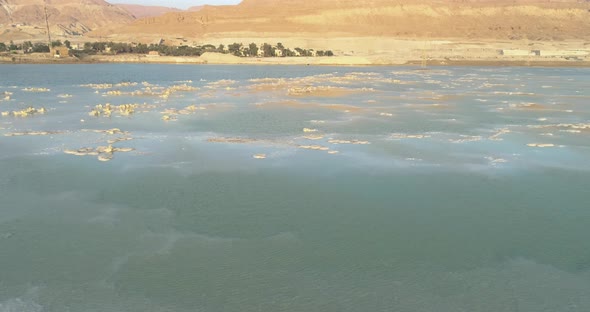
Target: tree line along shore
{"x":59,"y":48}
{"x":41,"y":52}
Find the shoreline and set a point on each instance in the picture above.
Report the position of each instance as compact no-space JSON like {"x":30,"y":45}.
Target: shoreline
{"x":224,"y":59}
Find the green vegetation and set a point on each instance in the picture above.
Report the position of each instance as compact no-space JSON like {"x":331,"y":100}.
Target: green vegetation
{"x":237,"y":49}
{"x":26,"y":47}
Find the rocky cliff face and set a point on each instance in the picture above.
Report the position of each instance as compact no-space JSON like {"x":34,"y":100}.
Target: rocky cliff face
{"x":140,"y":11}
{"x":66,"y":17}
{"x":520,"y":19}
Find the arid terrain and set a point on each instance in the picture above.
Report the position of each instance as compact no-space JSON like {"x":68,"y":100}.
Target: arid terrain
{"x":139,"y":11}
{"x":25,"y":19}
{"x":511,"y":20}
{"x":370,"y":31}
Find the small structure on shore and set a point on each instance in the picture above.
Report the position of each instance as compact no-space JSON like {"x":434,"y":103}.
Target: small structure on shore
{"x":153,"y":53}
{"x":60,"y":51}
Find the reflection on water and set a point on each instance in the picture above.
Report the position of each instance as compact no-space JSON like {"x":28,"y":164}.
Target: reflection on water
{"x":288,"y":188}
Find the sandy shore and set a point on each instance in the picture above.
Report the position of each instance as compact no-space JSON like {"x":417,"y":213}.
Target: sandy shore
{"x":217,"y":58}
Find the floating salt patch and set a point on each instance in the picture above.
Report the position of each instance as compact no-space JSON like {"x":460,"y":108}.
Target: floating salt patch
{"x":386,"y":114}
{"x":107,"y":131}
{"x":547,"y":134}
{"x":413,"y":159}
{"x":494,"y":160}
{"x":309,"y":130}
{"x":542,"y":119}
{"x":334,"y":141}
{"x":569,"y":111}
{"x":104,"y":153}
{"x":123,"y":149}
{"x":541,"y":145}
{"x":113,"y":141}
{"x":313,"y":137}
{"x":105,"y":157}
{"x":314,"y":147}
{"x":105,"y":149}
{"x":113,"y":92}
{"x":97,"y":86}
{"x":400,"y":136}
{"x":333,"y":152}
{"x":259,"y":156}
{"x":36,"y":89}
{"x":232,"y":140}
{"x":29,"y":111}
{"x":34,"y":133}
{"x":195,"y":107}
{"x":126,"y":84}
{"x":84,"y":151}
{"x":467,"y":138}
{"x":496,"y":136}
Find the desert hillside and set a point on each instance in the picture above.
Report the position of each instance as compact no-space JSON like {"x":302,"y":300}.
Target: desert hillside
{"x":487,"y":19}
{"x":25,"y":19}
{"x":140,"y":11}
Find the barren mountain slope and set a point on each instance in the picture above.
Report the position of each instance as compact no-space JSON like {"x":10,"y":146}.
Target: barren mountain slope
{"x":140,"y":11}
{"x":521,"y":19}
{"x":66,"y":17}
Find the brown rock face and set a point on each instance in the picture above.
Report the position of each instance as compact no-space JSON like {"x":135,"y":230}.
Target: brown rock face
{"x":140,"y":11}
{"x":485,"y":19}
{"x":66,"y":17}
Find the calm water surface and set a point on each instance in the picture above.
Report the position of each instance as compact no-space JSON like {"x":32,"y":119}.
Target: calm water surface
{"x":294,"y":188}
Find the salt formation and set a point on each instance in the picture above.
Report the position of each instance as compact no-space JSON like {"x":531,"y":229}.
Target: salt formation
{"x":36,"y":89}
{"x":107,"y":110}
{"x":103,"y":153}
{"x":357,"y":142}
{"x":170,"y":114}
{"x":540,"y":145}
{"x":313,"y":137}
{"x":6,"y":96}
{"x":467,"y":138}
{"x":33,"y":133}
{"x":314,"y":147}
{"x":29,"y":111}
{"x":401,"y":136}
{"x":496,"y":136}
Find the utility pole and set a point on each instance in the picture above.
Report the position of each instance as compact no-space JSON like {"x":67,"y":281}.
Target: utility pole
{"x":47,"y":24}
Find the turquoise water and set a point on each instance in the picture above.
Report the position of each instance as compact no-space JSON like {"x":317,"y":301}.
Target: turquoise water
{"x":295,"y":188}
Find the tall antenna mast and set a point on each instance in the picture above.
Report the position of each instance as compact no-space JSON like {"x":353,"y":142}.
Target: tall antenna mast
{"x":47,"y":24}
